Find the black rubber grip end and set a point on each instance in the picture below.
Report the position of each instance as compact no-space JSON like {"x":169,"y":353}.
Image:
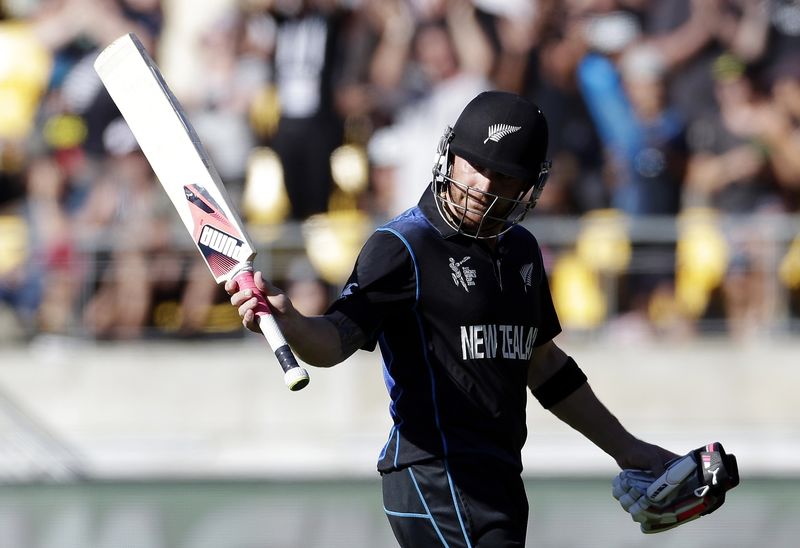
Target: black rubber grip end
{"x":286,"y":358}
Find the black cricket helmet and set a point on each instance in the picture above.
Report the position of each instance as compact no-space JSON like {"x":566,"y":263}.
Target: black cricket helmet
{"x":505,"y":133}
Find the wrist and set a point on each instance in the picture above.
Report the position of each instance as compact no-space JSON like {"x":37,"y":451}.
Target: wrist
{"x":289,"y":324}
{"x":623,"y":448}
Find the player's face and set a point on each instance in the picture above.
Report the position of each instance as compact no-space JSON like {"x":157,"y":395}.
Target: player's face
{"x":480,"y":198}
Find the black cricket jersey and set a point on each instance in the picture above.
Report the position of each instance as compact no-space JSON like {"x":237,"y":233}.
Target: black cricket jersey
{"x":456,"y":323}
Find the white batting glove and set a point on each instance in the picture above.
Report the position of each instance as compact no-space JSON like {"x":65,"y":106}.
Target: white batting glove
{"x":692,"y":486}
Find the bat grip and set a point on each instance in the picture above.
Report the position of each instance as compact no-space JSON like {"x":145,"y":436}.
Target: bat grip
{"x":294,"y":376}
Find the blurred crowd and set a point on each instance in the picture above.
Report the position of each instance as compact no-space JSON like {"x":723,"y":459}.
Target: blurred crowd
{"x":325,"y":115}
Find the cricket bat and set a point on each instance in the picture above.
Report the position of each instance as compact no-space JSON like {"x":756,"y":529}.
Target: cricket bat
{"x":180,"y":162}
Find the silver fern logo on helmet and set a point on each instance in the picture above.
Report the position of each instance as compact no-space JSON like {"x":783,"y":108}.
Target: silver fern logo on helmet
{"x":498,"y":131}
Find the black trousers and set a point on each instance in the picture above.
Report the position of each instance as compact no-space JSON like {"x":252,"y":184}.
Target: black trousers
{"x":457,"y":502}
{"x":304,"y":146}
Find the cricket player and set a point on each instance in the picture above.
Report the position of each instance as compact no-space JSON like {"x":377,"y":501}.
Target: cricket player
{"x":455,"y":293}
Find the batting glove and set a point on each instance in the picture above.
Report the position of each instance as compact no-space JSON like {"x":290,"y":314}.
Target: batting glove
{"x":692,"y":486}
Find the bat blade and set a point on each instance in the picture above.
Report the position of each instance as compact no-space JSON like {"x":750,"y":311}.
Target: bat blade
{"x":170,"y":144}
{"x":174,"y":151}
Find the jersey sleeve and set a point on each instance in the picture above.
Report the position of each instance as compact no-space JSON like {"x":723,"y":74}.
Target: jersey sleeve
{"x":549,"y":325}
{"x":382,"y":284}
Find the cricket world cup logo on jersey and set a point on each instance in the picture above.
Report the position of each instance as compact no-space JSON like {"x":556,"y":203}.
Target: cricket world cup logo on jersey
{"x":512,"y":342}
{"x":462,"y":275}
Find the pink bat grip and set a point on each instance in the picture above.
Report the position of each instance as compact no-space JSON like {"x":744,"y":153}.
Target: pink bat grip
{"x":294,"y":376}
{"x":246,"y":281}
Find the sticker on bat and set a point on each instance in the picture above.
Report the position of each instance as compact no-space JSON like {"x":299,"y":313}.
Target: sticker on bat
{"x":216,"y":237}
{"x":196,"y":200}
{"x":200,"y":197}
{"x":218,"y":241}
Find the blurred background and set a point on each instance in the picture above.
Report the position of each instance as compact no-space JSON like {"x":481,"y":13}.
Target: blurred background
{"x":134,"y":410}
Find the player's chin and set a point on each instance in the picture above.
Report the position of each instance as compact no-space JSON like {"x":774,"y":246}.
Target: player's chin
{"x":484,"y":226}
{"x":470,"y":221}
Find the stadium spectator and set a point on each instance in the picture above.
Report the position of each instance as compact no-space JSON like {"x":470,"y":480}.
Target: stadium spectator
{"x":728,"y":168}
{"x":40,"y":286}
{"x":623,"y":83}
{"x":722,"y":73}
{"x":306,"y":57}
{"x":537,"y":51}
{"x":445,"y":63}
{"x":770,"y":120}
{"x":219,"y":103}
{"x":127,"y":203}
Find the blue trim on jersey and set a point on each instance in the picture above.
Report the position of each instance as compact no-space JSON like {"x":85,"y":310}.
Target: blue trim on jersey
{"x":425,"y":505}
{"x":413,"y":258}
{"x":396,"y":446}
{"x":405,"y":514}
{"x":422,"y":335}
{"x":386,"y":445}
{"x":388,"y":359}
{"x":433,"y":395}
{"x":428,"y":363}
{"x":388,"y":380}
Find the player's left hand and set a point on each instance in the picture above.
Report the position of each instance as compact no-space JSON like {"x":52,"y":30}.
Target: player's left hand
{"x":692,"y":486}
{"x":641,"y":455}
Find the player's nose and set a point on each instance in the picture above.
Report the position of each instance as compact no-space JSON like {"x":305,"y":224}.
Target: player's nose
{"x":483,"y":181}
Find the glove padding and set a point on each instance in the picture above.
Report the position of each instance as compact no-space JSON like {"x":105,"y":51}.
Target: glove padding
{"x":692,"y":486}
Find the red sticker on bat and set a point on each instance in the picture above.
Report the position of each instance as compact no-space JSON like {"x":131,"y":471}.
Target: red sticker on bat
{"x":218,"y":240}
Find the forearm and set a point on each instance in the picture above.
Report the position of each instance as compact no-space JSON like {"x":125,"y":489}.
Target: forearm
{"x":584,"y":412}
{"x":322,"y":341}
{"x":684,"y":42}
{"x":784,"y":155}
{"x":472,"y":47}
{"x":314,"y":339}
{"x":392,"y":52}
{"x":560,"y":386}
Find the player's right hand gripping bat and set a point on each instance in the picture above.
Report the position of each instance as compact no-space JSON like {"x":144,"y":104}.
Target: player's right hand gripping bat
{"x":692,"y":486}
{"x":182,"y":165}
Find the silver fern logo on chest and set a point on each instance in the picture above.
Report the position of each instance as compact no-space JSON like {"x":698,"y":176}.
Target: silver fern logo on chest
{"x":462,"y":275}
{"x":498,"y":131}
{"x":526,"y":272}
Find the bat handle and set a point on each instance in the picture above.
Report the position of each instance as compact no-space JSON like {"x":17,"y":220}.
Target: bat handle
{"x":294,"y":376}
